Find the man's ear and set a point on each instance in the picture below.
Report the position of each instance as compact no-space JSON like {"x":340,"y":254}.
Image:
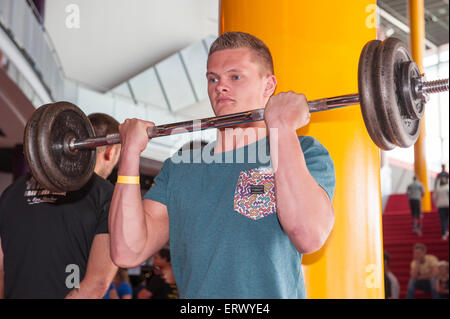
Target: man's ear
{"x":114,"y":153}
{"x":108,"y":154}
{"x":271,"y":85}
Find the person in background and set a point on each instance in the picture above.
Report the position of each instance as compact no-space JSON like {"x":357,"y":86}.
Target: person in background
{"x":441,"y":200}
{"x":122,"y":284}
{"x":140,"y":290}
{"x":111,"y":293}
{"x":424,"y":269}
{"x":415,"y":192}
{"x":442,"y":173}
{"x":162,"y":284}
{"x":442,"y":280}
{"x":392,"y":287}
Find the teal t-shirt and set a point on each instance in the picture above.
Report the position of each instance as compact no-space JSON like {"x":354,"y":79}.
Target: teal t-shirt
{"x":225,"y":237}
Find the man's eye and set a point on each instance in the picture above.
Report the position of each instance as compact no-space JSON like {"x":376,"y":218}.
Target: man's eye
{"x":236,"y":77}
{"x":213,"y":80}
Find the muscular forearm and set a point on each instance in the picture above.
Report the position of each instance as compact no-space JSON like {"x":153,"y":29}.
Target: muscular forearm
{"x":303,"y":207}
{"x":88,"y":291}
{"x":100,"y":270}
{"x":126,"y":217}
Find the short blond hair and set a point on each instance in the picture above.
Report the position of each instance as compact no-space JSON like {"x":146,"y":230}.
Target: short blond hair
{"x":237,"y":40}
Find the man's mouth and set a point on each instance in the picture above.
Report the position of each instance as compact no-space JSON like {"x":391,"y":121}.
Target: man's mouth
{"x":224,"y":100}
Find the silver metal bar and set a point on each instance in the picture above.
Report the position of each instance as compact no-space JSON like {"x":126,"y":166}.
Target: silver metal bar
{"x":214,"y":122}
{"x":436,"y":86}
{"x":333,"y":102}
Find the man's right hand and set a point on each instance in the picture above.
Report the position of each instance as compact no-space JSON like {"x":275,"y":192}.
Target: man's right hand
{"x":133,"y":135}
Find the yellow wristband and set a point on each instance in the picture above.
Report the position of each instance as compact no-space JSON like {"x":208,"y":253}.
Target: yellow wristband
{"x":128,"y":179}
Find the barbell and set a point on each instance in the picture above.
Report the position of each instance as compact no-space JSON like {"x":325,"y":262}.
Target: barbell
{"x":60,"y":143}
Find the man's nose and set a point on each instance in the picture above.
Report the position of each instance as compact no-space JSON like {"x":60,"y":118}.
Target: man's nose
{"x":222,"y":86}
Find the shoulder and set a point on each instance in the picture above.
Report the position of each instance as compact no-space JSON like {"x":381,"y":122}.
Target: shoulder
{"x":309,"y":141}
{"x":15,"y":187}
{"x":8,"y":197}
{"x":314,"y":151}
{"x":432,"y":259}
{"x":102,"y":183}
{"x":319,"y":163}
{"x":312,"y":146}
{"x":98,"y":187}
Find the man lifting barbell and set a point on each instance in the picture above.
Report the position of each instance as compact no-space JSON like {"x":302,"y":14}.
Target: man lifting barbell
{"x":229,"y":238}
{"x":239,"y":230}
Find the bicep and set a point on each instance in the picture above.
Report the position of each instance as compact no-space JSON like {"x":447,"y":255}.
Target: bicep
{"x":157,"y":221}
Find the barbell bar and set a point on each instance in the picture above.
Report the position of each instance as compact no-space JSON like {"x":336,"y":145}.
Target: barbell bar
{"x":212,"y":122}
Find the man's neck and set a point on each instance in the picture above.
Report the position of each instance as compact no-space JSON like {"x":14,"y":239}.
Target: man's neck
{"x":100,"y":171}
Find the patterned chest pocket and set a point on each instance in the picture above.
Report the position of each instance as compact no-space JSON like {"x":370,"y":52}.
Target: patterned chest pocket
{"x":254,"y":196}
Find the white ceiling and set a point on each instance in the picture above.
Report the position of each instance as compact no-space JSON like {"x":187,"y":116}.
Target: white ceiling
{"x":117,"y":39}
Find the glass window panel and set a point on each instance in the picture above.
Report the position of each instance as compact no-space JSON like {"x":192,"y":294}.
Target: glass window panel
{"x":432,"y":118}
{"x":17,"y":26}
{"x":122,"y":90}
{"x":90,"y":102}
{"x":195,"y":58}
{"x":433,"y":153}
{"x":159,"y":116}
{"x":5,"y":12}
{"x":175,"y":83}
{"x":444,"y":56}
{"x":146,"y":88}
{"x":123,"y":109}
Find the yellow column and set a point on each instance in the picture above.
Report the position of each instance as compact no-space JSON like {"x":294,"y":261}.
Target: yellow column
{"x":417,"y":26}
{"x":316,"y":47}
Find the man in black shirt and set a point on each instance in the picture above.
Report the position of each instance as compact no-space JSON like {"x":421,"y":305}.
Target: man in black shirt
{"x":162,"y":283}
{"x":57,"y":245}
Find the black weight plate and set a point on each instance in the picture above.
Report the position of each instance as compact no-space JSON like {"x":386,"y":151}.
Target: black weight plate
{"x":30,"y":150}
{"x":59,"y":123}
{"x":368,"y":97}
{"x":412,"y":102}
{"x":391,"y":54}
